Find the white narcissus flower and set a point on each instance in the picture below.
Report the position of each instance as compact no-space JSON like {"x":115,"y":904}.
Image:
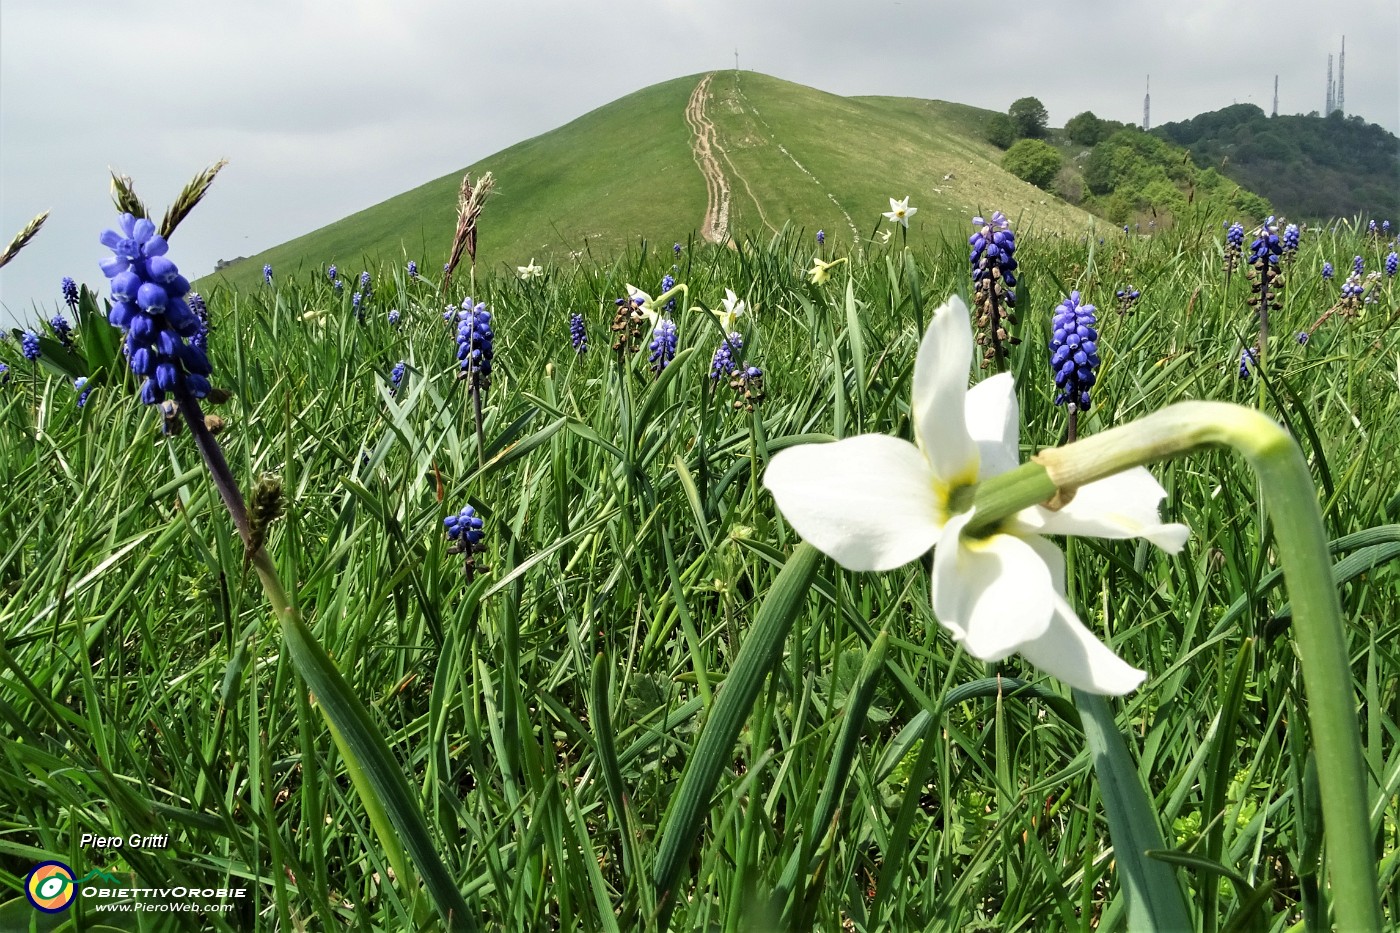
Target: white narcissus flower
{"x":531,"y":271}
{"x":733,"y":308}
{"x":901,"y":211}
{"x":875,"y":502}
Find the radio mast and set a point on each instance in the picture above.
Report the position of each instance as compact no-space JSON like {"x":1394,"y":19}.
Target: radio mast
{"x":1342,"y":78}
{"x":1147,"y":106}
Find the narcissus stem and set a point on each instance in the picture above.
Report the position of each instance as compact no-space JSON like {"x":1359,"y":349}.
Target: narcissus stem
{"x":1301,"y":542}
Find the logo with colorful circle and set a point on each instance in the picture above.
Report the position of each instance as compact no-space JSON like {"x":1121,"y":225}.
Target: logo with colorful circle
{"x":50,"y":887}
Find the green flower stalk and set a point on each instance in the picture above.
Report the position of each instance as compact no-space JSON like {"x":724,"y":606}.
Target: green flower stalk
{"x":1301,"y":543}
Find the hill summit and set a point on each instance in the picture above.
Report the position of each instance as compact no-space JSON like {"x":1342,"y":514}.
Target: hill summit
{"x":714,"y":156}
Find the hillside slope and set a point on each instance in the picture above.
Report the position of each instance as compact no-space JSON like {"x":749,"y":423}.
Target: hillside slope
{"x":776,"y":152}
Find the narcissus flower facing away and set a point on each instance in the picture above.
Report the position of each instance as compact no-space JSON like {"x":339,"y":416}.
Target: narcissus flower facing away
{"x":530,"y":271}
{"x":900,"y":211}
{"x":874,"y":502}
{"x":821,"y":271}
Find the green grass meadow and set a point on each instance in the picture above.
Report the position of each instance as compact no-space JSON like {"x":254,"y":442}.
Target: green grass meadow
{"x":542,"y":716}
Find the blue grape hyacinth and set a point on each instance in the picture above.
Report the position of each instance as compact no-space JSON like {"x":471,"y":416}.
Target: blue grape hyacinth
{"x":4,"y":375}
{"x":821,"y":237}
{"x":29,"y":345}
{"x":1392,"y":264}
{"x":578,"y":334}
{"x":396,"y":377}
{"x":465,"y":526}
{"x":1327,"y":271}
{"x":1247,"y":359}
{"x":1358,"y":265}
{"x":475,"y":344}
{"x":1074,"y":352}
{"x":466,"y":531}
{"x":80,"y":385}
{"x":394,"y":318}
{"x":412,"y":269}
{"x":1291,"y":237}
{"x":993,"y":261}
{"x":70,"y":293}
{"x":663,"y":345}
{"x":62,"y":330}
{"x":148,"y":303}
{"x":332,"y":273}
{"x":723,"y":362}
{"x":668,"y":282}
{"x":267,"y":273}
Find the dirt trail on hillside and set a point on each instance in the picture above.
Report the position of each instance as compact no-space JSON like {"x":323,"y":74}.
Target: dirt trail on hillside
{"x":715,"y":227}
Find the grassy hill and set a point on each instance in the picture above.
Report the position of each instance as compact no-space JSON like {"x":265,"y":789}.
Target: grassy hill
{"x":789,"y":153}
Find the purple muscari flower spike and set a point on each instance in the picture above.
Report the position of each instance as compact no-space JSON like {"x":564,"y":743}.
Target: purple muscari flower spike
{"x":365,"y":283}
{"x":355,"y":306}
{"x":332,"y":273}
{"x":1127,"y":297}
{"x":1074,"y":353}
{"x":993,"y":279}
{"x":1385,"y":228}
{"x":1358,"y":265}
{"x":449,"y":312}
{"x":394,"y":318}
{"x":62,"y":330}
{"x":1247,"y":359}
{"x":1302,"y":338}
{"x":412,"y":269}
{"x":1352,"y":287}
{"x":668,"y":282}
{"x":475,"y":344}
{"x":4,"y":375}
{"x":723,"y":362}
{"x":1327,"y":271}
{"x":677,"y":249}
{"x":396,"y":377}
{"x":1290,"y":239}
{"x":339,"y":285}
{"x":267,"y":272}
{"x":1392,"y":264}
{"x":29,"y":345}
{"x":148,"y":303}
{"x":80,"y":385}
{"x":70,"y":293}
{"x":663,"y":344}
{"x":747,"y":383}
{"x":578,"y":335}
{"x":821,"y":237}
{"x":465,"y":531}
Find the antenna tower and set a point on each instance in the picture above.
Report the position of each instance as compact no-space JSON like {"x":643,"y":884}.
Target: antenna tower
{"x":1342,"y":78}
{"x":1331,"y":90}
{"x":1147,"y":106}
{"x":1275,"y":113}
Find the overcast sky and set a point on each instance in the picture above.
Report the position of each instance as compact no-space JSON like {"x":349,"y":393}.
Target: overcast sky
{"x":324,"y":107}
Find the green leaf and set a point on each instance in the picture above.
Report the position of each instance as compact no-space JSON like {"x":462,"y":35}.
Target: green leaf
{"x":1150,"y":887}
{"x":760,"y":652}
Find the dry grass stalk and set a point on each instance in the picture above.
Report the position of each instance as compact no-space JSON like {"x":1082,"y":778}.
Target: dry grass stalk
{"x":470,"y":200}
{"x":124,"y":197}
{"x":189,"y":196}
{"x":22,"y":238}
